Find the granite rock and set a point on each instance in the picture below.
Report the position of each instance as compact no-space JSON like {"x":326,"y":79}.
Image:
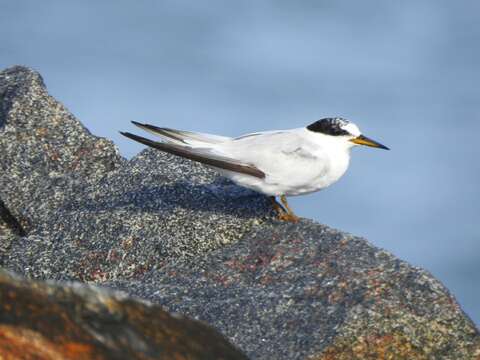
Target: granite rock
{"x":308,"y":291}
{"x":87,"y":213}
{"x":175,"y":233}
{"x":43,"y":148}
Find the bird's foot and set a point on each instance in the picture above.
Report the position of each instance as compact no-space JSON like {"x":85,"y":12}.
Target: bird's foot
{"x":282,"y":214}
{"x":288,"y":217}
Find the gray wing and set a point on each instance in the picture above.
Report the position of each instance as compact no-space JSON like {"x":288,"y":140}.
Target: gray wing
{"x":269,"y":144}
{"x":200,"y":155}
{"x":285,"y":156}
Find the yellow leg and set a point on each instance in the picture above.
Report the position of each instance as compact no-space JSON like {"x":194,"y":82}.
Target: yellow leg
{"x":277,"y":207}
{"x":284,"y":215}
{"x":291,"y":216}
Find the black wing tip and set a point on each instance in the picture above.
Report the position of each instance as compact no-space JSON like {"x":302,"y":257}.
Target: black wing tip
{"x":149,"y":127}
{"x":127,"y":134}
{"x":136,"y":137}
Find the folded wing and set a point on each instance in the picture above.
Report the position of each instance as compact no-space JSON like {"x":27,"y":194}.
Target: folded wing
{"x":179,"y":147}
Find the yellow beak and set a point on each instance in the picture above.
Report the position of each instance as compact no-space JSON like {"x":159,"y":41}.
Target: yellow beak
{"x":363,"y":140}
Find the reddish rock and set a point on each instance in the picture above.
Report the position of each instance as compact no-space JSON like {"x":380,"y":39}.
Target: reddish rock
{"x":54,"y":321}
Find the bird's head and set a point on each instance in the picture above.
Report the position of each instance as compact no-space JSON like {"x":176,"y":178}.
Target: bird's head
{"x":344,"y":131}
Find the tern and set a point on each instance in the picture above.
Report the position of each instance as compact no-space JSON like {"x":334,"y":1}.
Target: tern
{"x":275,"y":163}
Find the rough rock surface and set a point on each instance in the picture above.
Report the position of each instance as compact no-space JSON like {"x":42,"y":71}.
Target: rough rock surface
{"x":41,"y":144}
{"x":175,"y":233}
{"x":77,"y":199}
{"x":75,"y":321}
{"x":315,"y":291}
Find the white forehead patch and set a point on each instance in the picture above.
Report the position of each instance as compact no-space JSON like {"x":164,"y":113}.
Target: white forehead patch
{"x":352,"y":129}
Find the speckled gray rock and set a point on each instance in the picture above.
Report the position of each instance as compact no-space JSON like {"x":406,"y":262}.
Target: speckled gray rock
{"x":90,"y":215}
{"x":136,"y":219}
{"x":42,"y":147}
{"x":297,"y":291}
{"x":172,"y":231}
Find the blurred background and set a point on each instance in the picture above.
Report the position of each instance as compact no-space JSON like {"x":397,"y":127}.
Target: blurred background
{"x":406,"y":72}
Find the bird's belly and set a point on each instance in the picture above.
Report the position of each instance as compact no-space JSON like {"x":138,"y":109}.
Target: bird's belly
{"x":291,"y":183}
{"x":312,"y":185}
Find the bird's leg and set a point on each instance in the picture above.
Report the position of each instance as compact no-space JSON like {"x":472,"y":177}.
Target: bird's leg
{"x":277,"y":207}
{"x":288,"y":215}
{"x":284,"y":214}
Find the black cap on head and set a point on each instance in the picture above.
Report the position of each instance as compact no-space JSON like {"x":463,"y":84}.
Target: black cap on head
{"x":329,"y":126}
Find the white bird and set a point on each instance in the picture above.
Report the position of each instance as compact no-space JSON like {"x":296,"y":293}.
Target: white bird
{"x":275,"y":163}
